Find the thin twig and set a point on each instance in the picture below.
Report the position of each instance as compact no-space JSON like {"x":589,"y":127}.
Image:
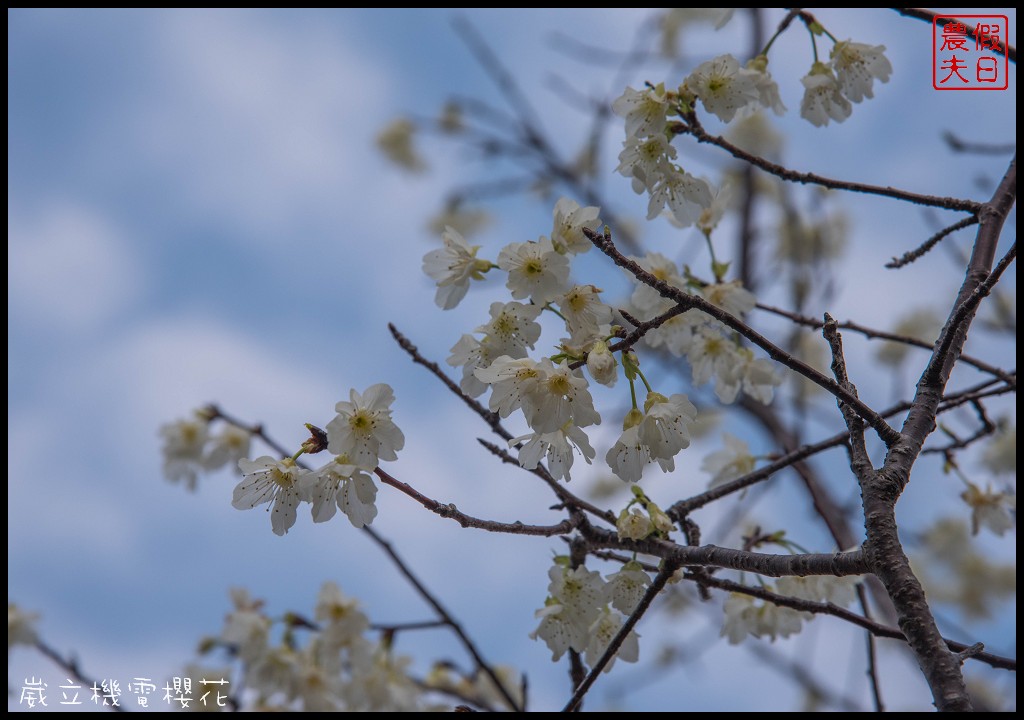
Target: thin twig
{"x":912,"y":255}
{"x":933,"y":17}
{"x":693,"y":127}
{"x":71,"y":666}
{"x":652,"y":591}
{"x":872,"y":651}
{"x":450,"y":511}
{"x":444,"y":615}
{"x":687,"y":301}
{"x":883,"y":335}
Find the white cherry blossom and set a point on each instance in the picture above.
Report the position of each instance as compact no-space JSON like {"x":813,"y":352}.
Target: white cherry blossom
{"x":823,"y":99}
{"x":268,"y":480}
{"x":645,"y":111}
{"x":857,"y":65}
{"x":535,"y":270}
{"x":731,"y":462}
{"x":363,"y":429}
{"x":452,"y":267}
{"x":723,"y":87}
{"x":342,"y":485}
{"x":569,"y":220}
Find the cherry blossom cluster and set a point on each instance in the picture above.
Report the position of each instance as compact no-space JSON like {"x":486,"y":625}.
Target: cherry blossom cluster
{"x":713,"y":351}
{"x":328,"y":662}
{"x":729,"y":90}
{"x":190,"y":447}
{"x":746,"y":615}
{"x":552,"y":393}
{"x":848,"y":76}
{"x":583,"y":611}
{"x":359,"y":437}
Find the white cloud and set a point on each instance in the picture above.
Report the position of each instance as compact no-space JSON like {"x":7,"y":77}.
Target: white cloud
{"x":70,"y":269}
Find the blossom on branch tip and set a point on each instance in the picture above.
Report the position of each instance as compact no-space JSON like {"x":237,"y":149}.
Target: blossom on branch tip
{"x":561,"y":396}
{"x":396,"y":142}
{"x":569,"y":220}
{"x":685,"y":195}
{"x":246,"y":628}
{"x":665,"y":427}
{"x":602,"y":365}
{"x":227,"y":447}
{"x":584,"y":312}
{"x":745,"y":616}
{"x":823,"y":99}
{"x":602,"y":631}
{"x":627,"y":587}
{"x":267,"y":480}
{"x":731,"y":297}
{"x":363,"y":429}
{"x":512,"y":329}
{"x":183,"y":448}
{"x":767,"y":88}
{"x":659,"y":433}
{"x":996,"y":511}
{"x":20,"y":626}
{"x":341,"y":620}
{"x":646,"y":161}
{"x":857,"y":65}
{"x":452,"y":267}
{"x":645,"y":111}
{"x":634,"y":524}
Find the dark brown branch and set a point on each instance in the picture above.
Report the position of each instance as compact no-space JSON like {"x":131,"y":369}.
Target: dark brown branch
{"x":860,"y":462}
{"x":567,"y":498}
{"x":694,"y":128}
{"x":491,"y":418}
{"x":453,"y":513}
{"x":883,"y":548}
{"x":652,"y":591}
{"x":820,"y":608}
{"x":71,"y":666}
{"x":892,"y":337}
{"x":444,"y":615}
{"x":932,"y":17}
{"x":956,"y":144}
{"x":838,"y":564}
{"x":923,"y":248}
{"x":688,"y":301}
{"x":966,"y":310}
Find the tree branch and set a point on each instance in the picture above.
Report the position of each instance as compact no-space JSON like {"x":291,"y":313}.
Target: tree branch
{"x":688,"y":301}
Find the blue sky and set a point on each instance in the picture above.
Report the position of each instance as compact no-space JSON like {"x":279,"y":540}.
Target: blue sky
{"x":197,"y":213}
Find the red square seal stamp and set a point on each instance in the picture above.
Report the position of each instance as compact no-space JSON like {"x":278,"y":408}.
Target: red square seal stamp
{"x":969,"y":52}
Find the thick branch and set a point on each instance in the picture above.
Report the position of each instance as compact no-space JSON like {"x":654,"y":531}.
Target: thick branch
{"x":883,"y":549}
{"x":838,"y":564}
